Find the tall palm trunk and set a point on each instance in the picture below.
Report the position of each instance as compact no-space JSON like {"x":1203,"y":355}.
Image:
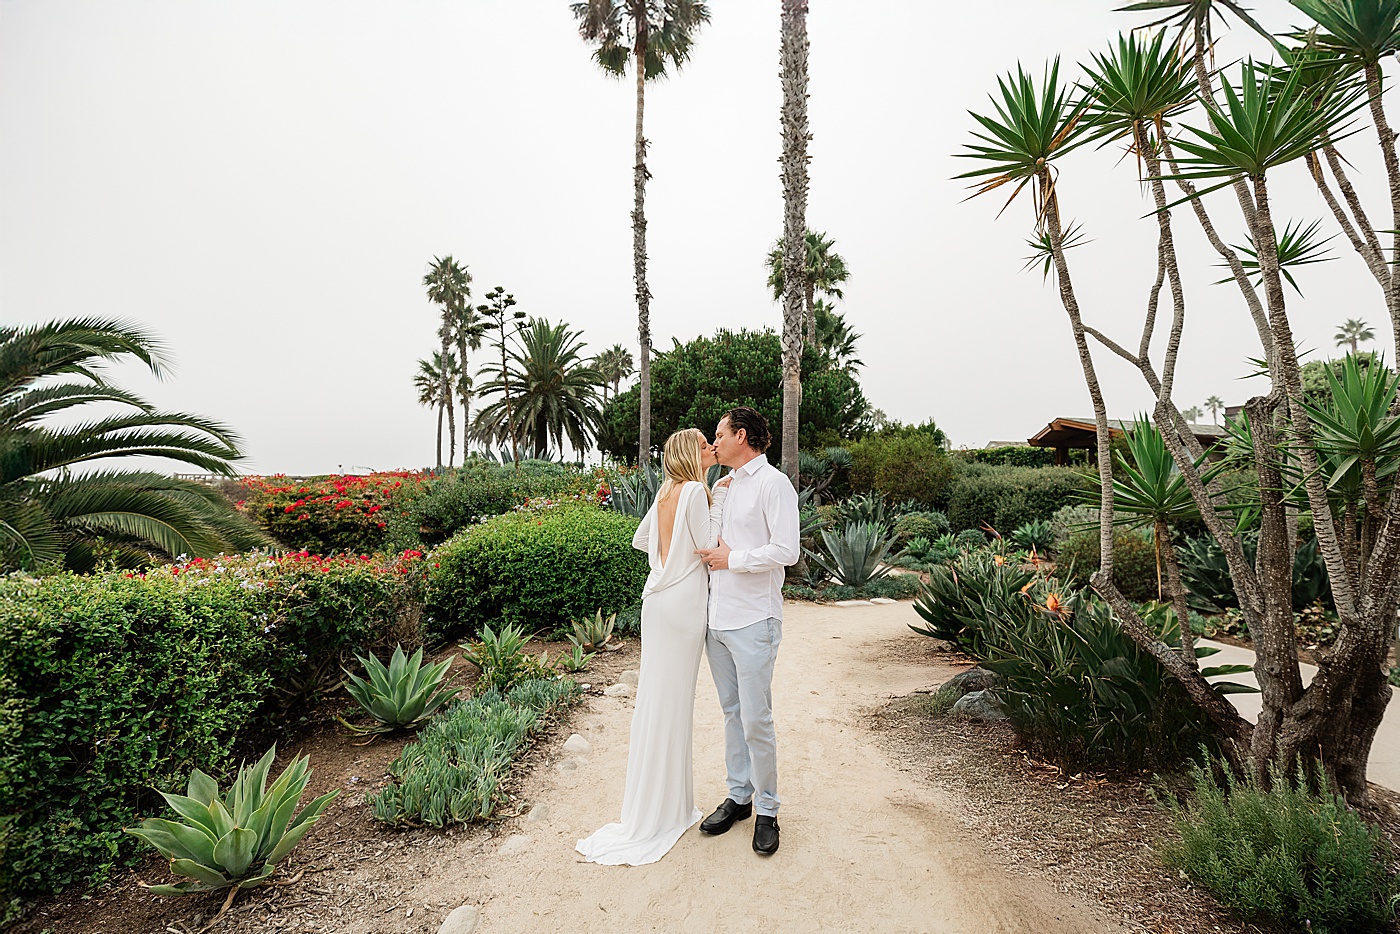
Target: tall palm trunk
{"x":451,"y":428}
{"x":444,"y":393}
{"x":466,"y":396}
{"x":639,"y":239}
{"x":795,"y":290}
{"x":439,"y":434}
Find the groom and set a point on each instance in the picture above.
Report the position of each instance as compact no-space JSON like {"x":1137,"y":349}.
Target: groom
{"x":759,"y":536}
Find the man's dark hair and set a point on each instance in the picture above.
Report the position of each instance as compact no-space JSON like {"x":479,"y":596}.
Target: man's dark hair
{"x":754,"y":424}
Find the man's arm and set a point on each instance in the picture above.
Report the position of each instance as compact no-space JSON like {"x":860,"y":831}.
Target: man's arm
{"x":778,"y":503}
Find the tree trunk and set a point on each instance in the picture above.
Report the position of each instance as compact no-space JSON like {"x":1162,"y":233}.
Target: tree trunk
{"x":451,"y":430}
{"x":439,"y":435}
{"x":1386,"y":137}
{"x":466,"y":397}
{"x":795,"y":136}
{"x":445,"y":332}
{"x":639,"y":248}
{"x":809,"y":312}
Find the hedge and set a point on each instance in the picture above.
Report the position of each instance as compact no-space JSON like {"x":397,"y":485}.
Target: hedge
{"x":1007,"y":497}
{"x":538,"y":567}
{"x":113,"y":684}
{"x":912,"y":466}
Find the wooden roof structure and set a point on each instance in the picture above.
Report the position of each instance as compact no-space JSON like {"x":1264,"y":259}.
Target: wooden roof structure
{"x":1064,"y":434}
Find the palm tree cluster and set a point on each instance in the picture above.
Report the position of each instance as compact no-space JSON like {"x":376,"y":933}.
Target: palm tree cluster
{"x":1198,"y":131}
{"x":56,"y":514}
{"x":540,"y":390}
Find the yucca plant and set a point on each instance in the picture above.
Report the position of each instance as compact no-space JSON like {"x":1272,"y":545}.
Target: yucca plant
{"x":575,"y":661}
{"x":234,"y":842}
{"x":854,"y":556}
{"x":401,"y":696}
{"x":593,"y":632}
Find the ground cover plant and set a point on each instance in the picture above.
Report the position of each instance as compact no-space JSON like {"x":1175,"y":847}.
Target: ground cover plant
{"x":454,"y":772}
{"x":1235,"y":128}
{"x":541,"y":566}
{"x":114,"y":684}
{"x":1284,"y":852}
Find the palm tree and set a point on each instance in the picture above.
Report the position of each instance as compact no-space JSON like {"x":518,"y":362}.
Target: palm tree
{"x":826,"y":270}
{"x":554,"y":394}
{"x":835,"y":338}
{"x":449,"y":286}
{"x":1352,"y":332}
{"x":435,"y":382}
{"x":1215,"y":405}
{"x":51,"y":517}
{"x":1193,"y":414}
{"x":614,"y":365}
{"x":796,"y":293}
{"x":649,"y":34}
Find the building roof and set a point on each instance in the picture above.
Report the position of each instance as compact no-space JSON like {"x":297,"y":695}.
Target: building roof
{"x":1081,"y":433}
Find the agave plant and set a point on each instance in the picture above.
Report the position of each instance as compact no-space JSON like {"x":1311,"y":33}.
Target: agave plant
{"x":1038,"y":534}
{"x":853,"y":557}
{"x":633,"y":494}
{"x":918,"y":548}
{"x":401,"y":696}
{"x":575,"y":661}
{"x":593,"y":633}
{"x":235,"y":841}
{"x":866,"y":508}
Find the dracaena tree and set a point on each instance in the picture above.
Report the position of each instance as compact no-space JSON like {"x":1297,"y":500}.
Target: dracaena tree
{"x":1197,"y":138}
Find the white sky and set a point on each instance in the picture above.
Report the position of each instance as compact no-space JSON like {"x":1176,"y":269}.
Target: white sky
{"x":264,"y":183}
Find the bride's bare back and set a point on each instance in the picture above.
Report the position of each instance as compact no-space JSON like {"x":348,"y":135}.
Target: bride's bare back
{"x":666,"y":519}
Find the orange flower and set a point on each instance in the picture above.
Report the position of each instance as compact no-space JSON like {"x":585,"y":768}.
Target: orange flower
{"x":999,"y":559}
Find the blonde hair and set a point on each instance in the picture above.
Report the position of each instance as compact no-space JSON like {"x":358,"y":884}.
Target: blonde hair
{"x":681,"y":463}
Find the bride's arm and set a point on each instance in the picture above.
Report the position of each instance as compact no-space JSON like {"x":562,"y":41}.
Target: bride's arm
{"x":641,"y":539}
{"x":706,"y":523}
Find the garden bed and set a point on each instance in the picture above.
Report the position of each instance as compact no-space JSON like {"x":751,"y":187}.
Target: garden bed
{"x":324,"y":897}
{"x":1091,"y":834}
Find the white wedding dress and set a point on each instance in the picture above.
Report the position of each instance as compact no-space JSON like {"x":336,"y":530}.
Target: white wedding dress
{"x":658,"y":804}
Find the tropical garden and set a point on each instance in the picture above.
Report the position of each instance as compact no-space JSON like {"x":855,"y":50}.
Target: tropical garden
{"x":156,"y":632}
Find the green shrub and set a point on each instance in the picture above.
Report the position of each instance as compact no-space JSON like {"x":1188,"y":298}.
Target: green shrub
{"x":1009,"y":456}
{"x":428,"y":514}
{"x":114,"y":684}
{"x":110,"y":687}
{"x":970,"y":539}
{"x":538,"y":568}
{"x":453,"y":774}
{"x":1007,"y":497}
{"x":1285,"y":854}
{"x":1134,"y":561}
{"x":913,"y":466}
{"x":929,"y":525}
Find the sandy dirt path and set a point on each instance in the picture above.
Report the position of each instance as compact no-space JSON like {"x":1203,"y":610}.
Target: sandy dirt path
{"x":865,"y":847}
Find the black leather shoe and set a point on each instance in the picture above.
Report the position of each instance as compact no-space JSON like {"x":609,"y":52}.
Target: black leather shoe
{"x":765,"y":835}
{"x":725,"y":815}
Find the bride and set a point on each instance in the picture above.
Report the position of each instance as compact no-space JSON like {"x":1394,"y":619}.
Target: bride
{"x":658,"y":804}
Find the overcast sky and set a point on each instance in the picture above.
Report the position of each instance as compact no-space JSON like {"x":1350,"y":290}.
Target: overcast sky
{"x":264,"y":183}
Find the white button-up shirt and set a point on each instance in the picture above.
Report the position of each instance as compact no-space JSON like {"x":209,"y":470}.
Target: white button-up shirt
{"x":761,"y":526}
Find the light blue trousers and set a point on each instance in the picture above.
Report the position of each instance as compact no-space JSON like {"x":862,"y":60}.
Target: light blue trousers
{"x":741,"y":661}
